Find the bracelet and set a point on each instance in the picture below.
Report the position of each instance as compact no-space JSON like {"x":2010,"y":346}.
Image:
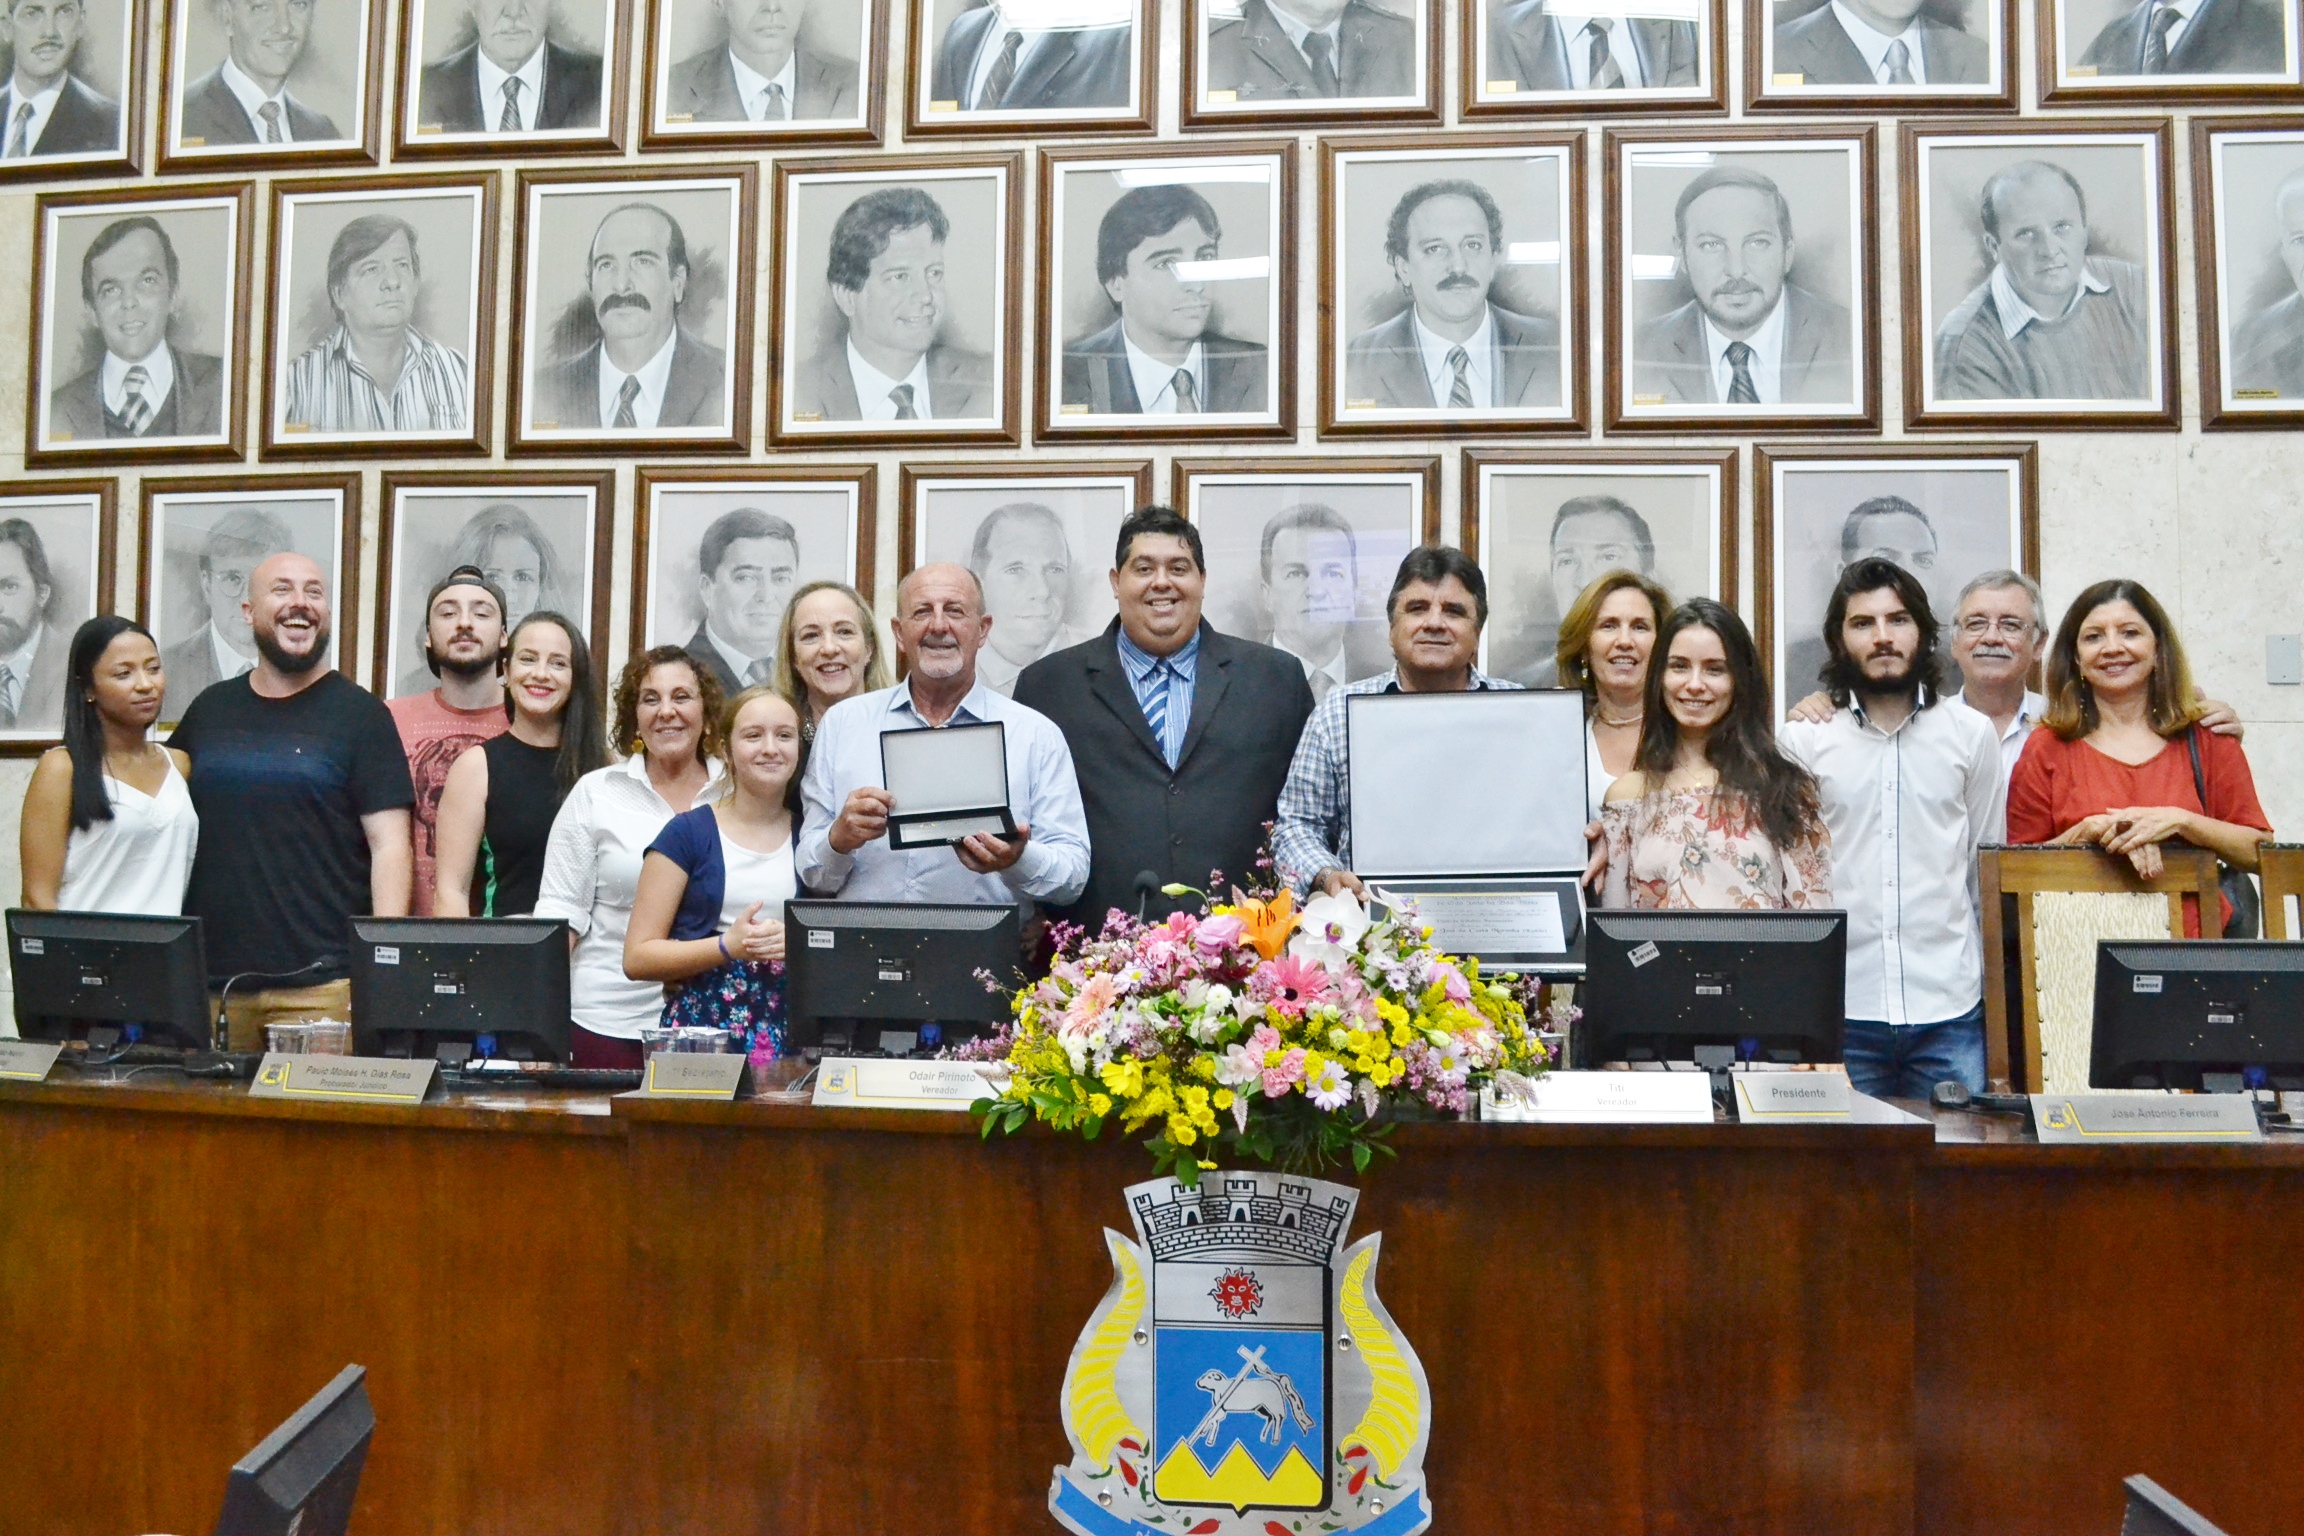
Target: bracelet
{"x":723,"y":942}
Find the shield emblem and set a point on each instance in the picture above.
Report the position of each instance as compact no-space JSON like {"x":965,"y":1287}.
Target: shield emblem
{"x":1240,"y":1384}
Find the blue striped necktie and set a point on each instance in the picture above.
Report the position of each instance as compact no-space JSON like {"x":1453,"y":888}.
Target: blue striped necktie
{"x":1156,"y":706}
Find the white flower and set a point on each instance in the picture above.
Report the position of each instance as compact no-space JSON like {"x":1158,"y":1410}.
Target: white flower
{"x":1219,"y":996}
{"x":1448,"y":1056}
{"x":1330,"y":931}
{"x":1239,"y":1066}
{"x":1331,"y":1089}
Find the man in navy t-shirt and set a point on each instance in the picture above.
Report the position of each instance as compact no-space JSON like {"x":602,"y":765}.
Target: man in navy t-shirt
{"x":303,"y":794}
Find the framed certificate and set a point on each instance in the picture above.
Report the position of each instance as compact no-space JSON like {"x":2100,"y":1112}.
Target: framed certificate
{"x":947,"y":784}
{"x":1454,"y":785}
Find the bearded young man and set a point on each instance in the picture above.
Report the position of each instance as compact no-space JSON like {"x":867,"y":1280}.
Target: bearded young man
{"x":464,"y":648}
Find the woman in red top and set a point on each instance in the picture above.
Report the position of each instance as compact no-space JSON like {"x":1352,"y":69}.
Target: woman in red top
{"x":2112,"y":761}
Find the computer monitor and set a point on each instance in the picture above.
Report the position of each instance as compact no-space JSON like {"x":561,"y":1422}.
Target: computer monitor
{"x":146,"y":975}
{"x":496,"y":984}
{"x":1768,"y":985}
{"x":2227,"y":1015}
{"x":301,"y":1479}
{"x":2154,"y":1511}
{"x":853,"y":965}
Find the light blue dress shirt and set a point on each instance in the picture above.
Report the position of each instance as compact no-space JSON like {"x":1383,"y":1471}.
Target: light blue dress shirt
{"x":1178,"y":676}
{"x":1043,"y":793}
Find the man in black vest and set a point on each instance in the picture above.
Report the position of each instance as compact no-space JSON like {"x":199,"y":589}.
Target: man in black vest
{"x":1182,"y":735}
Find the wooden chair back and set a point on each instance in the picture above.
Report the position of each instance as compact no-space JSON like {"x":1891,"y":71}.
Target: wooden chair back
{"x":2282,"y":874}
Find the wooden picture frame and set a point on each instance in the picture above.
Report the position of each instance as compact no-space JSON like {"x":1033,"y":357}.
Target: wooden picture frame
{"x":1093,"y":367}
{"x":1822,"y":45}
{"x":1367,"y":374}
{"x":216,"y":385}
{"x":51,"y":508}
{"x":1988,"y":354}
{"x":2256,"y":385}
{"x":1674,"y":388}
{"x":1081,"y":62}
{"x":687,"y":104}
{"x":285,"y":439}
{"x":676,"y":191}
{"x":1526,"y":598}
{"x":1792,"y":663}
{"x":421,"y":89}
{"x":76,"y":116}
{"x":2227,"y":60}
{"x":1268,"y":73}
{"x":485,"y":529}
{"x":812,"y":390}
{"x":1522,"y":40}
{"x":230,"y":138}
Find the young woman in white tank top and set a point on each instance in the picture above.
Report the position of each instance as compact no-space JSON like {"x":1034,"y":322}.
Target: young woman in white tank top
{"x":108,"y":820}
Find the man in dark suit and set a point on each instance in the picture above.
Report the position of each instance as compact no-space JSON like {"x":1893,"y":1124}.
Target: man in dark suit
{"x":990,"y":63}
{"x":1749,"y":336}
{"x":224,"y":646}
{"x":32,"y":644}
{"x":1533,"y":48}
{"x":1182,"y":734}
{"x":44,"y":110}
{"x":746,"y":568}
{"x":1312,"y":50}
{"x":143,"y":386}
{"x":886,"y":271}
{"x":1879,"y":42}
{"x":1159,"y":357}
{"x":2217,"y":37}
{"x":645,"y":372}
{"x":245,"y":100}
{"x":2268,"y":347}
{"x":762,"y":74}
{"x":511,"y":78}
{"x":1451,"y":346}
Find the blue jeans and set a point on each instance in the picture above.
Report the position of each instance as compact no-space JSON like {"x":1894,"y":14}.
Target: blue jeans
{"x":1906,"y":1061}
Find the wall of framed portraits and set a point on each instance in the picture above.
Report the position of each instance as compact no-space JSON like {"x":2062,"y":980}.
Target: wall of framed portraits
{"x":600,"y":292}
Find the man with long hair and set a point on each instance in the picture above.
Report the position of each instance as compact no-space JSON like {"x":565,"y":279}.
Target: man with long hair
{"x":1909,"y":790}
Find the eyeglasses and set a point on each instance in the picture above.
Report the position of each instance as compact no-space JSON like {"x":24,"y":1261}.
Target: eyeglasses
{"x":2014,"y":629}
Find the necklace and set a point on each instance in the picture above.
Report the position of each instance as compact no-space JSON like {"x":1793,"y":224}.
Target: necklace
{"x":1634,"y":718}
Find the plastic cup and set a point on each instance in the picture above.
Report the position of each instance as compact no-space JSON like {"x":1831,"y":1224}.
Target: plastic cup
{"x":654,"y":1038}
{"x":289,"y":1039}
{"x":329,"y":1037}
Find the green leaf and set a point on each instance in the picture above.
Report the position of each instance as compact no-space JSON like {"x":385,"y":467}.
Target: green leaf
{"x":1362,"y":1155}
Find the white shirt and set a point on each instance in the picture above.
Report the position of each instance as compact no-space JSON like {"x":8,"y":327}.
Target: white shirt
{"x":1596,"y":775}
{"x":2015,"y":314}
{"x":531,"y":78}
{"x":1766,"y":364}
{"x":591,"y":875}
{"x":140,"y":860}
{"x":873,"y":387}
{"x":988,"y":54}
{"x":1479,"y":355}
{"x":2019,"y":730}
{"x":654,"y":374}
{"x":1874,"y":44}
{"x":1576,"y":44}
{"x":229,"y":662}
{"x":251,"y":97}
{"x":1298,"y":32}
{"x":752,"y":86}
{"x":737,"y":661}
{"x":1156,"y":381}
{"x":1043,"y":793}
{"x":159,"y":367}
{"x":751,"y":877}
{"x":1906,"y":810}
{"x":43,"y":107}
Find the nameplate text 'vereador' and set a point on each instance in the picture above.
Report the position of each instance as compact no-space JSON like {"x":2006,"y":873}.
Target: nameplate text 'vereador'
{"x":345,"y":1079}
{"x":1763,"y":1098}
{"x":26,"y":1061}
{"x":2077,"y":1117}
{"x":855,"y":1083}
{"x":1610,"y":1098}
{"x":691,"y":1075}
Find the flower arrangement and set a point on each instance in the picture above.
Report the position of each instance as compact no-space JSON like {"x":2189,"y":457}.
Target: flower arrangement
{"x":1294,"y":1038}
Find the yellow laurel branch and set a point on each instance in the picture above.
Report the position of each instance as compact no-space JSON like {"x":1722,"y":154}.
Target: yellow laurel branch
{"x":1388,"y":1428}
{"x":1092,"y":1409}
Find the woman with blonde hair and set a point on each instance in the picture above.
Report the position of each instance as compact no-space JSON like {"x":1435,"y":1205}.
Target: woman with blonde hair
{"x":1606,"y":639}
{"x":829,"y":651}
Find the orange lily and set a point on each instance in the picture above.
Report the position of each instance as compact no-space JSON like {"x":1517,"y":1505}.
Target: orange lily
{"x":1268,"y":922}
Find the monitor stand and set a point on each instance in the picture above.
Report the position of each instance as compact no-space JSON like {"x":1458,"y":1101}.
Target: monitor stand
{"x":1717,"y":1059}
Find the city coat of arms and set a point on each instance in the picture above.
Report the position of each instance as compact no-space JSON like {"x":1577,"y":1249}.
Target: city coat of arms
{"x":1241,"y":1377}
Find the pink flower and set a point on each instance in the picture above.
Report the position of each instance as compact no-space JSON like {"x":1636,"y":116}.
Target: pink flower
{"x":1451,"y":982}
{"x":1291,"y":984}
{"x":1096,"y":996}
{"x":1278,"y":1080}
{"x":1218,"y":934}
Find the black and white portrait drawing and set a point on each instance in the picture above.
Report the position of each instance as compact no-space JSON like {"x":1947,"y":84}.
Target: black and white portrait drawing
{"x":257,"y":78}
{"x":498,"y":72}
{"x":51,"y":581}
{"x":2148,"y":46}
{"x":2248,"y":191}
{"x":1558,"y":52}
{"x":204,"y":545}
{"x":1881,"y":48}
{"x":70,"y":65}
{"x":767,"y":67}
{"x":725,"y":557}
{"x":1263,"y":57}
{"x":1548,"y":531}
{"x":534,"y":541}
{"x":1018,"y":62}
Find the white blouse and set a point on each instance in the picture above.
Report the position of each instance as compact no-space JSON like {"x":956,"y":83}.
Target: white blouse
{"x":140,"y":860}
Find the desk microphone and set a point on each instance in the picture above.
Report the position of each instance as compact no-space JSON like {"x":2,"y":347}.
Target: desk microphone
{"x":1147,"y":887}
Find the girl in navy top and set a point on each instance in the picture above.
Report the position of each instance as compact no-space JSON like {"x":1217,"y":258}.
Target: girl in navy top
{"x":708,"y":921}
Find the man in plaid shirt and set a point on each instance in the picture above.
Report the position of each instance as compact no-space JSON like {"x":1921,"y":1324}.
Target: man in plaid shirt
{"x":1437,"y":607}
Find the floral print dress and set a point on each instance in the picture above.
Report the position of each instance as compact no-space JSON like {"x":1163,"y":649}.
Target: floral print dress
{"x":1701,"y":848}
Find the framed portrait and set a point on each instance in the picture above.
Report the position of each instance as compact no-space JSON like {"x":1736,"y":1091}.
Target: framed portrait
{"x":56,"y":554}
{"x":545,"y":540}
{"x":499,"y":79}
{"x":2039,"y":276}
{"x":1302,"y":552}
{"x":646,"y":339}
{"x":1167,"y":294}
{"x":2094,"y":52}
{"x":383,"y":317}
{"x":879,"y":339}
{"x":1946,"y":512}
{"x":1451,"y":285}
{"x":74,"y":101}
{"x":199,"y":543}
{"x":139,"y":325}
{"x":718,"y":555}
{"x":1544,"y":526}
{"x":1311,"y":62}
{"x":250,"y":83}
{"x":1538,"y":57}
{"x":1741,"y":280}
{"x":1010,"y":68}
{"x":1884,"y":55}
{"x":1040,"y":545}
{"x":765,"y":73}
{"x":2250,"y":247}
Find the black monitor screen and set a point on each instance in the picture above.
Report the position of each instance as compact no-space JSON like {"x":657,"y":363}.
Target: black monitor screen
{"x":74,"y":969}
{"x":2169,"y":1013}
{"x":499,"y":984}
{"x":1658,"y":984}
{"x":300,"y":1481}
{"x":900,"y":962}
